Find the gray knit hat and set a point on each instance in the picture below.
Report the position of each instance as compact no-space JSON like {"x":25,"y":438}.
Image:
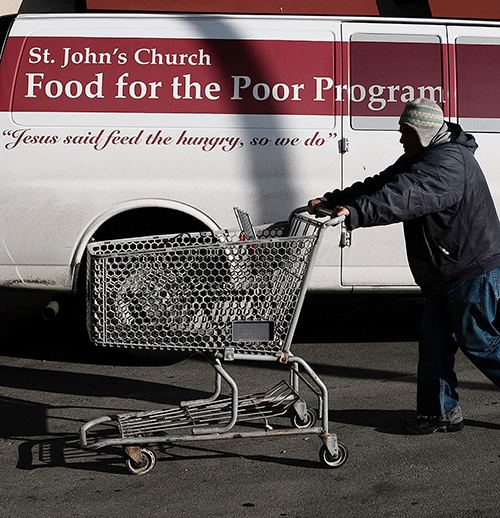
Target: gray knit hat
{"x":425,"y":117}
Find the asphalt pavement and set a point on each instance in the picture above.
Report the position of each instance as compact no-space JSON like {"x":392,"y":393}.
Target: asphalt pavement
{"x":52,"y":381}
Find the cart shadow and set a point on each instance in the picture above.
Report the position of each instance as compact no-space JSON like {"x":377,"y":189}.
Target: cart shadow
{"x":93,"y":385}
{"x":383,"y":421}
{"x":204,"y":453}
{"x":65,"y":452}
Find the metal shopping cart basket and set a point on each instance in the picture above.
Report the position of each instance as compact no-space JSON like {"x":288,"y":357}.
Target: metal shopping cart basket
{"x":230,"y":295}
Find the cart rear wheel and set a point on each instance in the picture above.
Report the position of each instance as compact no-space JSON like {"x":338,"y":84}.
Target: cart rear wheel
{"x":308,"y":422}
{"x":145,"y":465}
{"x":329,"y":461}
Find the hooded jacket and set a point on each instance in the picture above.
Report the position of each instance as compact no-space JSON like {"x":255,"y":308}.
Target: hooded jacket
{"x":451,"y":226}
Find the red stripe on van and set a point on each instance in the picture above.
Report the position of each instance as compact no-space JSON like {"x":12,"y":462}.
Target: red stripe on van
{"x":139,"y":75}
{"x":11,"y":60}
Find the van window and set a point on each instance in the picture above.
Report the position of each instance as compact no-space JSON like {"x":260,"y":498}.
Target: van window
{"x":477,"y":83}
{"x":389,"y":70}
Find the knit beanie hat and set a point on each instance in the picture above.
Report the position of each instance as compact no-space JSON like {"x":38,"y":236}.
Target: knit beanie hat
{"x":425,"y":117}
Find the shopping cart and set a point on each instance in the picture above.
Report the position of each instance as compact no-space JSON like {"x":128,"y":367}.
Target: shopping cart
{"x":230,"y":295}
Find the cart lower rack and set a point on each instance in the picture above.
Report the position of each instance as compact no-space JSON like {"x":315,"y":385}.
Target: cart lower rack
{"x":230,"y":295}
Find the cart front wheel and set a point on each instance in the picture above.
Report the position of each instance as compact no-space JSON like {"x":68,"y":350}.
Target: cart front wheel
{"x":145,"y":465}
{"x":308,"y":422}
{"x":329,"y":460}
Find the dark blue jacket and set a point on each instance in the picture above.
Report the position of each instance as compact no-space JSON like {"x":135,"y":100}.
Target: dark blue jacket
{"x":451,"y":227}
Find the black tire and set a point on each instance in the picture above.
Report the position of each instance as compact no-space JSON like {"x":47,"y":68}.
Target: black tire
{"x":308,"y":422}
{"x":329,"y":461}
{"x":148,"y":461}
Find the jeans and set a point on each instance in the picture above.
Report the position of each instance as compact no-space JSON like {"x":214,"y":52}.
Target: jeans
{"x":461,"y":317}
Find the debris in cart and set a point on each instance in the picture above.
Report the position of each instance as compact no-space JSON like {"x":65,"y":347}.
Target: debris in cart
{"x":231,"y":295}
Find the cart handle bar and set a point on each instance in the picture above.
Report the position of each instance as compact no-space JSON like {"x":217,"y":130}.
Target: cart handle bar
{"x":322,"y":212}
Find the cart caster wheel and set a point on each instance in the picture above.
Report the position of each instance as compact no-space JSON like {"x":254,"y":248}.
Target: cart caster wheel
{"x":329,"y":460}
{"x":308,"y":422}
{"x":148,"y":461}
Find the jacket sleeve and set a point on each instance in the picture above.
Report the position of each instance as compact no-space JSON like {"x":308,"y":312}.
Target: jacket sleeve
{"x":365,"y":188}
{"x":432,"y":185}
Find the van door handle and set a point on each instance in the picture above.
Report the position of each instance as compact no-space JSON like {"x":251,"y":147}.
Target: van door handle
{"x":345,"y":237}
{"x":343,"y":145}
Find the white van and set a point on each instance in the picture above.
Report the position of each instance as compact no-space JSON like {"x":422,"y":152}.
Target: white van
{"x":119,"y":125}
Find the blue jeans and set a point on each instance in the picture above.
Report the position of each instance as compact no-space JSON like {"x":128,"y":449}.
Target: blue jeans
{"x":461,"y":317}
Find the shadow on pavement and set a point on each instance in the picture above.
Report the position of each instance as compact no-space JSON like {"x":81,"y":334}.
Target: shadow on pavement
{"x":64,"y":450}
{"x":327,"y":318}
{"x":324,"y":318}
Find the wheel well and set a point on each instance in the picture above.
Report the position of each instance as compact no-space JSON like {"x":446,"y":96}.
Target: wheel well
{"x":145,"y":221}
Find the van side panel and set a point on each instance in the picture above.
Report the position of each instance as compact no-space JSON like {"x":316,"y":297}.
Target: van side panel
{"x":103,"y":114}
{"x":99,"y":113}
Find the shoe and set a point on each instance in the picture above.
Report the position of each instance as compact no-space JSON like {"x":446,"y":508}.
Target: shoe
{"x":452,"y":421}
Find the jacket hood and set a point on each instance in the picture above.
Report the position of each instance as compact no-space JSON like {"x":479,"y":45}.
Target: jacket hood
{"x":451,"y":132}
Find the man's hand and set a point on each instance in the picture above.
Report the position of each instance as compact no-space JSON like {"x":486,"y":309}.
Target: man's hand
{"x":340,"y":211}
{"x":314,"y":207}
